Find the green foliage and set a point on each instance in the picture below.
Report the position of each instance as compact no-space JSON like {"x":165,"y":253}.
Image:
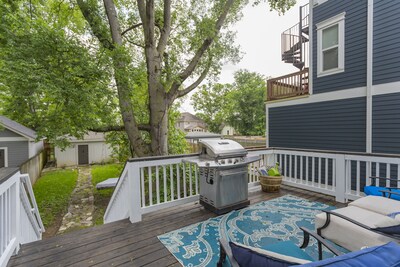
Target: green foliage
{"x":241,"y":104}
{"x":50,"y":80}
{"x":102,"y":197}
{"x":52,"y":192}
{"x":246,"y":109}
{"x":177,"y":143}
{"x":210,"y":101}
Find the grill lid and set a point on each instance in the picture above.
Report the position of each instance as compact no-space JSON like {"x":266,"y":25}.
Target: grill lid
{"x":221,"y":148}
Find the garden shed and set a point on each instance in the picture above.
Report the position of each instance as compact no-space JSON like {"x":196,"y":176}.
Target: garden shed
{"x":89,"y":150}
{"x":17,"y":143}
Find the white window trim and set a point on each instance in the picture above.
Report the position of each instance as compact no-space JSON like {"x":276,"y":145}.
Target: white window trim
{"x":5,"y":156}
{"x":339,"y":20}
{"x":318,"y":2}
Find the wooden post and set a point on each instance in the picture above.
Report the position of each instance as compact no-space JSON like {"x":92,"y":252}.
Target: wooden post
{"x":135,"y":212}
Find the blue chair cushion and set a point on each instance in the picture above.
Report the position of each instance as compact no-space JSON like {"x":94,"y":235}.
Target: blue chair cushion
{"x":387,"y":255}
{"x":284,"y":254}
{"x":374,"y":190}
{"x":390,"y":229}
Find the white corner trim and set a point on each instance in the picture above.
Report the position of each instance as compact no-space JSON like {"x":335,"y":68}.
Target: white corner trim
{"x":5,"y":155}
{"x":370,"y":36}
{"x":330,"y":96}
{"x":332,"y":20}
{"x":13,"y":139}
{"x":310,"y":48}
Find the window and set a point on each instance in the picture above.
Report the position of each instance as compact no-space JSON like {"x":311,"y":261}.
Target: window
{"x":330,"y":44}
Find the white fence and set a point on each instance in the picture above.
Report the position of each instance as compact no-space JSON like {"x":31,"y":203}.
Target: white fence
{"x":20,"y":221}
{"x":150,"y":184}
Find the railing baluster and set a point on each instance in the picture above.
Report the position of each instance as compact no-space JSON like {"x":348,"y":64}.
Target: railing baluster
{"x":326,"y":172}
{"x":165,"y":183}
{"x":190,"y":180}
{"x":184,"y":180}
{"x":313,"y":171}
{"x":358,"y":178}
{"x":296,"y":178}
{"x":150,"y":186}
{"x":301,"y":170}
{"x":387,"y":174}
{"x":143,"y":188}
{"x":290,"y":167}
{"x":377,"y":165}
{"x":334,"y":175}
{"x":307,"y":171}
{"x":398,"y":175}
{"x":171,"y":179}
{"x":179,"y":181}
{"x":319,"y":172}
{"x":2,"y":220}
{"x":158,"y":184}
{"x":196,"y":180}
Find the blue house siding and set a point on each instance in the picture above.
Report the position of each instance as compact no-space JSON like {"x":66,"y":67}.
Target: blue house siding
{"x":330,"y":125}
{"x":386,"y":123}
{"x":355,"y":45}
{"x":386,"y":41}
{"x":18,"y":152}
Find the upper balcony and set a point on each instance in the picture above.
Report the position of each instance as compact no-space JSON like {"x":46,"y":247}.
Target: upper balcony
{"x":295,"y":51}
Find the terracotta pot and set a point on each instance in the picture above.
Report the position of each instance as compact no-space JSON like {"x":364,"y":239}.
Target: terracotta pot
{"x":271,"y":183}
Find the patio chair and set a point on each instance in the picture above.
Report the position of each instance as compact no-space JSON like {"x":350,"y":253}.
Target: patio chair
{"x":286,"y":253}
{"x":373,"y":189}
{"x":368,"y":221}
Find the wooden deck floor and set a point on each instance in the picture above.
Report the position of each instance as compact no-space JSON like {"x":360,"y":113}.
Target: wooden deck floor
{"x":125,"y":244}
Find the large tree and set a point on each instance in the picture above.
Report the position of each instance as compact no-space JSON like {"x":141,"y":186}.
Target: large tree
{"x":177,"y":44}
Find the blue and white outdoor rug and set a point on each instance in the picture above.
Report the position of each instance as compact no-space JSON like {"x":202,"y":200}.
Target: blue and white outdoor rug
{"x":258,"y":225}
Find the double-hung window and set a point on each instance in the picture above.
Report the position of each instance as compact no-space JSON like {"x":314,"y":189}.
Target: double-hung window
{"x":330,"y":45}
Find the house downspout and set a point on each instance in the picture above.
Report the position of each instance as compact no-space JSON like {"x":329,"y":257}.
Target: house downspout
{"x":370,"y":32}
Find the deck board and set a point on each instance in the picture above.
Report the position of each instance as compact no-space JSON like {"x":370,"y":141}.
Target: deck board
{"x":124,"y":244}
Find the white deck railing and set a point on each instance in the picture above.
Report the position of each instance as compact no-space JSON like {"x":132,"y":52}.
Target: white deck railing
{"x":20,"y":221}
{"x":151,"y":184}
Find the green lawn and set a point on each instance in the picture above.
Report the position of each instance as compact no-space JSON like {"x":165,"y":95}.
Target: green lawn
{"x":53,"y":191}
{"x":103,"y":196}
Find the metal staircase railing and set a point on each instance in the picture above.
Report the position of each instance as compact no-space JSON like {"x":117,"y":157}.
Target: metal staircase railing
{"x":294,"y":41}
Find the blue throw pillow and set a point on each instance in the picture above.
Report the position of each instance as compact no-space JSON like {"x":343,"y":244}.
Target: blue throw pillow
{"x":387,"y":255}
{"x":390,"y":229}
{"x":375,"y":191}
{"x":255,"y":257}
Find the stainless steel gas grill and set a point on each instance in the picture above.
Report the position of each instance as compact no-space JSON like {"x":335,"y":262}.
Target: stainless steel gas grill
{"x":223,"y":175}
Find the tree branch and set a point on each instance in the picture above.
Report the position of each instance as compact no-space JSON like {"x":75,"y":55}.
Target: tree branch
{"x":95,"y":25}
{"x":193,"y":86}
{"x":203,"y":48}
{"x":118,"y":128}
{"x":165,"y":31}
{"x":134,"y":43}
{"x":131,"y":28}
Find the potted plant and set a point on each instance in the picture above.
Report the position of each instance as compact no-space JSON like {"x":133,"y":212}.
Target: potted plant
{"x":270,"y":178}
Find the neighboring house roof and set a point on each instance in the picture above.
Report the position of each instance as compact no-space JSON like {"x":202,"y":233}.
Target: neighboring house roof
{"x":18,"y":128}
{"x":199,"y":135}
{"x":89,"y":137}
{"x":190,"y":127}
{"x":186,"y":116}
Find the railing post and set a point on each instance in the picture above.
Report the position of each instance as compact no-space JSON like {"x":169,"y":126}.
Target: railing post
{"x":17,"y":225}
{"x":340,"y":179}
{"x":135,"y":212}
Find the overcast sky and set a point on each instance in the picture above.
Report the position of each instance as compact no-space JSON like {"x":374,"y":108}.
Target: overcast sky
{"x":259,"y":35}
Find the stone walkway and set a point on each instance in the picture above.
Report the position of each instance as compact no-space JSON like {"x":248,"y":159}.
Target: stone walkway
{"x":80,"y":210}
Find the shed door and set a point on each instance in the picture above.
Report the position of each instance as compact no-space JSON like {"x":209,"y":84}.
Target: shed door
{"x":83,"y":154}
{"x":2,"y":158}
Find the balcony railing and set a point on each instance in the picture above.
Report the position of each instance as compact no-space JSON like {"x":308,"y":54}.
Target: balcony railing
{"x":291,"y":85}
{"x":151,"y":184}
{"x":20,"y":220}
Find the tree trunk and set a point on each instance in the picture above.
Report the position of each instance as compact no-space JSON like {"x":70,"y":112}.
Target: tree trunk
{"x":158,"y":121}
